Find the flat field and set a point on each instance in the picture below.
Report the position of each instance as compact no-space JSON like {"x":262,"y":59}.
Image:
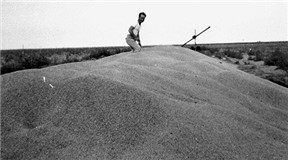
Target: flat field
{"x":241,"y":54}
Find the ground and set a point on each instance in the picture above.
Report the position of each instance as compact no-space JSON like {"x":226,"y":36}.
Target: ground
{"x":162,"y":103}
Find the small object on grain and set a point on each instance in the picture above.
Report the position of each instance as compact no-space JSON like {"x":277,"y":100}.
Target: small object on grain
{"x":51,"y":86}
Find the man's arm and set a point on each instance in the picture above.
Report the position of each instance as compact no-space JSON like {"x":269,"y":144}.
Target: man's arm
{"x":131,"y":32}
{"x":139,"y":42}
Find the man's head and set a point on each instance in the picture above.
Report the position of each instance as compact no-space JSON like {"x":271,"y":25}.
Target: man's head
{"x":141,"y":17}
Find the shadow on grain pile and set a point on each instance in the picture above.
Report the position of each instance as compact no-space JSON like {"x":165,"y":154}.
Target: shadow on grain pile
{"x":163,"y":103}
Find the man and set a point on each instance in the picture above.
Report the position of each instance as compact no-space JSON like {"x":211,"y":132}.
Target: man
{"x":133,"y":37}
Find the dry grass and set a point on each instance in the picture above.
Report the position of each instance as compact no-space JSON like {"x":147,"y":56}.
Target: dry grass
{"x":163,"y":103}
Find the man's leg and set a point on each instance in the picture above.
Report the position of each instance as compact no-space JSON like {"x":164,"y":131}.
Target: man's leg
{"x":133,"y":44}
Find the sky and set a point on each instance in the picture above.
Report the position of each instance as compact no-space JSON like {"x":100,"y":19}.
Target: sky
{"x":63,"y":23}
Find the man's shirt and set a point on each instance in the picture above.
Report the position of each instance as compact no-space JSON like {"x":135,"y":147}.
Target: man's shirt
{"x":136,"y":30}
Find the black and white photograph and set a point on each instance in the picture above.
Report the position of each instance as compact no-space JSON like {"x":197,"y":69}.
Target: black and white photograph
{"x":144,"y":80}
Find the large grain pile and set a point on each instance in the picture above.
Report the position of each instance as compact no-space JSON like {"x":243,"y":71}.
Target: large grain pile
{"x":162,"y":103}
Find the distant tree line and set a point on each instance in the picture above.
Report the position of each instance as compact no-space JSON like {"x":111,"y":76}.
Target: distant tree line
{"x":14,"y":60}
{"x":272,"y":54}
{"x":219,"y":52}
{"x":276,"y":57}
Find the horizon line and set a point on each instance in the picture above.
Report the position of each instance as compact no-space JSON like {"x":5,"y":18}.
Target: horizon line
{"x":144,"y":45}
